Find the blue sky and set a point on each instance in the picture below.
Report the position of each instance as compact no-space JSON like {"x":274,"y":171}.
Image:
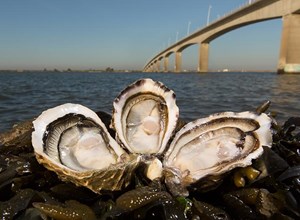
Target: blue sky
{"x":124,"y":34}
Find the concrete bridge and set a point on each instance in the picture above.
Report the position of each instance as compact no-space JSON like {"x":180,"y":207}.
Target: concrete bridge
{"x":256,"y":11}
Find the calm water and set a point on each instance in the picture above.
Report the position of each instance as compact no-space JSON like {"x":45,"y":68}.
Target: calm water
{"x":25,"y":95}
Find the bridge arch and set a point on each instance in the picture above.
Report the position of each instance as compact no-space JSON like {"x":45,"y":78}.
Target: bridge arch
{"x":165,"y":58}
{"x":182,"y":48}
{"x":169,"y":53}
{"x":221,"y":32}
{"x":179,"y":56}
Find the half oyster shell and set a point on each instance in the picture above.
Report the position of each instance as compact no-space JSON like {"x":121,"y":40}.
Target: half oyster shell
{"x":72,"y":141}
{"x":145,"y":116}
{"x":215,"y":145}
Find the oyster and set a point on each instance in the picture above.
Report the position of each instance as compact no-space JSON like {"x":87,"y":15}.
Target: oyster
{"x":215,"y":145}
{"x":145,"y":116}
{"x":71,"y":140}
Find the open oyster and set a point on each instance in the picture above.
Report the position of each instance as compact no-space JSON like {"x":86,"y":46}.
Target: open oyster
{"x":215,"y":145}
{"x":71,"y":140}
{"x":145,"y":116}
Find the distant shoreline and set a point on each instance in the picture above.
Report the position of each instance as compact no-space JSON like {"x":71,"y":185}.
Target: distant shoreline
{"x":131,"y":71}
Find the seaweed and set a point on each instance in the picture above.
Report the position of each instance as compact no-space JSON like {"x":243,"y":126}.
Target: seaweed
{"x":30,"y":191}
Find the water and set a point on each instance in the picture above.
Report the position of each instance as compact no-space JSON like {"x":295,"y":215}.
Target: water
{"x":25,"y":95}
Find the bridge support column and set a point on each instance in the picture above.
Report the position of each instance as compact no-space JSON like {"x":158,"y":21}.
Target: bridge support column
{"x":166,"y":64}
{"x":151,"y":68}
{"x":177,"y":62}
{"x":203,"y":57}
{"x":158,"y":66}
{"x":289,"y":58}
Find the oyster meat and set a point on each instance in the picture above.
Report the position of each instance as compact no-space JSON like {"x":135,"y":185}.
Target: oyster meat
{"x":145,"y":116}
{"x":215,"y":145}
{"x":71,"y":140}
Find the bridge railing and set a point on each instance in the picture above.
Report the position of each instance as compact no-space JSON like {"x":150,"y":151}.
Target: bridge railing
{"x":245,"y":5}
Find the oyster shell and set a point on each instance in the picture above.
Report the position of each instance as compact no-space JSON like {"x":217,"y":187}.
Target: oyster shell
{"x":215,"y":145}
{"x":145,"y":116}
{"x":71,"y":140}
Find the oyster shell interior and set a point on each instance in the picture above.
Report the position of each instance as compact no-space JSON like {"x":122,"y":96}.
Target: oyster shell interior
{"x":145,"y":124}
{"x":73,"y":136}
{"x":78,"y":143}
{"x":72,"y":141}
{"x":145,"y":115}
{"x":217,"y":144}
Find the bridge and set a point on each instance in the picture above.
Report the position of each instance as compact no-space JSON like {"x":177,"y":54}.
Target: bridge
{"x":255,"y":11}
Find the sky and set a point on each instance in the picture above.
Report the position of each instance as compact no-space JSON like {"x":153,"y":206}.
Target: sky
{"x":125,"y":34}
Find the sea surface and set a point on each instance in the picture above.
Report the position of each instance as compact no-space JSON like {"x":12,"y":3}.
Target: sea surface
{"x":24,"y":96}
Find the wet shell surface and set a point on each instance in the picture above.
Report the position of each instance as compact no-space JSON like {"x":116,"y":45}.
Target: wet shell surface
{"x":71,"y":140}
{"x":145,"y":116}
{"x":215,"y":145}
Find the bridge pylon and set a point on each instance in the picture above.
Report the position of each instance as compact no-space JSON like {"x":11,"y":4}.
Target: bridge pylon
{"x":289,"y":58}
{"x":178,"y":62}
{"x":203,"y":57}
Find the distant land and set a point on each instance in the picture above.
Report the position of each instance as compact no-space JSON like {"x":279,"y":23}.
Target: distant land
{"x":109,"y":69}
